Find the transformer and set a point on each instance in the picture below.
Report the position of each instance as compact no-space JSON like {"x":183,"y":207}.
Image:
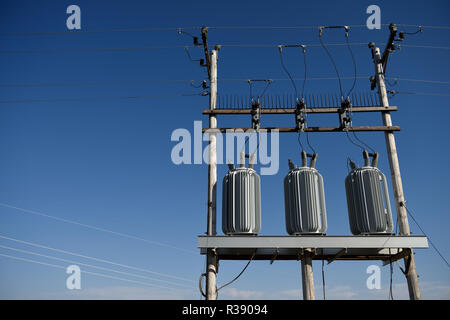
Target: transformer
{"x":241,"y":201}
{"x":369,"y":209}
{"x":304,"y":199}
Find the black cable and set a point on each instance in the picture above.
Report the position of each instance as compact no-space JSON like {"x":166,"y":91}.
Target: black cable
{"x":304,"y":63}
{"x":354,"y":66}
{"x":358,"y":145}
{"x":287,"y":72}
{"x":237,"y":277}
{"x":200,"y":284}
{"x":307,"y":140}
{"x":300,"y":141}
{"x":391,"y":294}
{"x":365,"y":144}
{"x":334,"y":64}
{"x":431,"y":242}
{"x":413,"y":33}
{"x":323,"y":280}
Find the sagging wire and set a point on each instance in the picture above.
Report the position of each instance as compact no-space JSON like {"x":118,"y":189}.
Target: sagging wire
{"x":413,"y":33}
{"x":431,"y":242}
{"x":323,"y":280}
{"x":329,"y":54}
{"x":391,"y":294}
{"x":237,"y":277}
{"x":354,"y":64}
{"x":250,"y":81}
{"x":303,"y":47}
{"x":340,"y":86}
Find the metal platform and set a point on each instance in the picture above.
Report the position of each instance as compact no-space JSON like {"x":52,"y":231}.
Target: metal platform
{"x":373,"y":247}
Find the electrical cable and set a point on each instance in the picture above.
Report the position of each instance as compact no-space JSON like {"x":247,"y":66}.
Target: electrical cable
{"x":157,"y":29}
{"x":86,"y":272}
{"x":429,"y":239}
{"x":323,"y":280}
{"x":102,"y":98}
{"x":92,"y":266}
{"x":354,"y":66}
{"x":332,"y":61}
{"x":92,"y":258}
{"x":150,"y":82}
{"x":365,"y":144}
{"x":287,"y":72}
{"x":391,"y":294}
{"x":237,"y":277}
{"x":92,"y":227}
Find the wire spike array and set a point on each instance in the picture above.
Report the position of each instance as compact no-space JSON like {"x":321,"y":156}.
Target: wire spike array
{"x":282,"y":101}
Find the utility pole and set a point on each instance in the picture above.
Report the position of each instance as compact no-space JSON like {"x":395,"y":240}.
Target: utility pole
{"x":211,"y":257}
{"x":402,"y":218}
{"x":307,"y":276}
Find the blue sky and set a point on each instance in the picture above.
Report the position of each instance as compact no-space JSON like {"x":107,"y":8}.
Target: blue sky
{"x":106,"y":162}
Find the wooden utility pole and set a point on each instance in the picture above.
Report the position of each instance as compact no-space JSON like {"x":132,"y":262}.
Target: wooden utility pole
{"x":307,"y":276}
{"x":402,"y":218}
{"x":211,"y":258}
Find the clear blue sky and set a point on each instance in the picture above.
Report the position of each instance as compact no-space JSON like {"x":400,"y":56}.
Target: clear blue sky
{"x":106,"y":163}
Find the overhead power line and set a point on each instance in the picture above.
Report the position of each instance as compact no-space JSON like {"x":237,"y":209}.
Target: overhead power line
{"x":33,"y":244}
{"x":92,"y":227}
{"x":98,"y":98}
{"x":92,"y":266}
{"x":176,"y":29}
{"x":86,"y":272}
{"x":155,"y":82}
{"x":230,"y":45}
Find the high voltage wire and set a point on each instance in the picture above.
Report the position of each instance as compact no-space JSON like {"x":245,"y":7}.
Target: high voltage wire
{"x":151,"y":82}
{"x":147,"y":97}
{"x":93,"y":227}
{"x":96,"y":98}
{"x":91,"y":266}
{"x":237,"y":45}
{"x":33,"y":244}
{"x":86,"y":272}
{"x":156,"y":29}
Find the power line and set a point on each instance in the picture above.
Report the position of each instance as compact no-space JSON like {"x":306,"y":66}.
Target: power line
{"x":100,"y":98}
{"x":87,"y":272}
{"x":157,"y":29}
{"x":93,"y":258}
{"x":93,"y":227}
{"x":93,"y":266}
{"x":251,"y":45}
{"x":151,"y":82}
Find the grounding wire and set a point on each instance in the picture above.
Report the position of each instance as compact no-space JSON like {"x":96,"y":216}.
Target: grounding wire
{"x":431,"y":242}
{"x":237,"y":277}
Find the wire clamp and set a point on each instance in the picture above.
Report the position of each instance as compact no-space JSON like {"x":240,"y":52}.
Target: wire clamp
{"x":345,"y":118}
{"x":300,"y":119}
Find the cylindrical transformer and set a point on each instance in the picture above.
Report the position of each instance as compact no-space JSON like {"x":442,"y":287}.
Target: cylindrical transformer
{"x":304,"y":200}
{"x":241,"y":202}
{"x":369,"y":209}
